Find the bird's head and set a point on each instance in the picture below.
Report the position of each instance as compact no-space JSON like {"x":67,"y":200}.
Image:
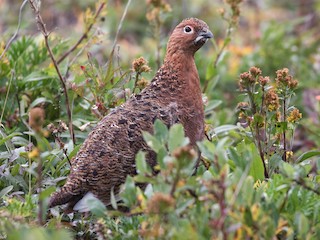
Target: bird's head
{"x":189,"y":36}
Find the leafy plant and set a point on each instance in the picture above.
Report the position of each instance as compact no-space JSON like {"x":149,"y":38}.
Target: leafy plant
{"x":249,"y":183}
{"x":221,"y":200}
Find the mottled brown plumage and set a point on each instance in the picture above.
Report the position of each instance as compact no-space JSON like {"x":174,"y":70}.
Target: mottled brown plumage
{"x":174,"y":95}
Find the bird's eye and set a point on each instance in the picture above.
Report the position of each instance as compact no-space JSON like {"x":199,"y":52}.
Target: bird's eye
{"x":187,"y":29}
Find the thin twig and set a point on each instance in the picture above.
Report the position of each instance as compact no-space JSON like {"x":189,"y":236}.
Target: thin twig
{"x":284,"y":130}
{"x":84,"y":35}
{"x":118,"y":30}
{"x":118,"y":60}
{"x":7,"y":95}
{"x":136,"y":82}
{"x":17,"y":31}
{"x":42,"y":27}
{"x":220,"y":194}
{"x":258,"y":138}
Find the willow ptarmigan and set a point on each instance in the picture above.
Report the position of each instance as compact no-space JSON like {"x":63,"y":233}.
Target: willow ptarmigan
{"x":174,"y":96}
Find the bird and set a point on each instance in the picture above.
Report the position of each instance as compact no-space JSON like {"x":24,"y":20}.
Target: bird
{"x":174,"y":95}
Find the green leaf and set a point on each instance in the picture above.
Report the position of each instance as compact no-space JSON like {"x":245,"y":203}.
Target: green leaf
{"x":213,"y":104}
{"x":248,"y":190}
{"x":207,"y":175}
{"x":176,"y":137}
{"x":287,"y":169}
{"x":225,"y":129}
{"x":5,"y":138}
{"x":149,"y":191}
{"x":207,"y":149}
{"x":74,"y":151}
{"x":307,"y":155}
{"x":302,"y":225}
{"x":35,"y":76}
{"x":183,"y":206}
{"x":109,"y":73}
{"x":46,"y":193}
{"x":274,"y":162}
{"x":152,"y":141}
{"x":160,"y":157}
{"x":213,"y":83}
{"x":129,"y":193}
{"x":38,"y":101}
{"x":236,"y":157}
{"x":91,"y":203}
{"x":141,"y":163}
{"x":281,"y":127}
{"x":5,"y":191}
{"x":248,"y":217}
{"x":257,"y":169}
{"x":160,"y":131}
{"x":113,"y":200}
{"x":26,"y":233}
{"x":211,"y":71}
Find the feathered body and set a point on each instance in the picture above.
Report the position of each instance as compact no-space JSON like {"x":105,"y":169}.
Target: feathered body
{"x":174,"y":95}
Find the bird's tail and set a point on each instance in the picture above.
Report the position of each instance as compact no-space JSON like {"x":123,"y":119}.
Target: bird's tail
{"x":69,"y":193}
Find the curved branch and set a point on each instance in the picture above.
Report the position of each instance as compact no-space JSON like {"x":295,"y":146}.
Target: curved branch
{"x":42,"y":27}
{"x":17,"y":31}
{"x":84,"y":35}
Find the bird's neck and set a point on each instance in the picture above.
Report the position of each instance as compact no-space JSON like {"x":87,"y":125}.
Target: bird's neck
{"x":183,"y":66}
{"x":184,"y":89}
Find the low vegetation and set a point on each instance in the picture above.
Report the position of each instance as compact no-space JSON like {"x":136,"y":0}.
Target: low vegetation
{"x":258,"y":173}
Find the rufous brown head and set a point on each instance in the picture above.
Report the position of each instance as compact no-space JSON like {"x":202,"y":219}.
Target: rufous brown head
{"x":189,"y":36}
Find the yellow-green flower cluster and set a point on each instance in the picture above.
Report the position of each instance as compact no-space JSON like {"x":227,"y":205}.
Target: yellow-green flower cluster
{"x":294,"y":116}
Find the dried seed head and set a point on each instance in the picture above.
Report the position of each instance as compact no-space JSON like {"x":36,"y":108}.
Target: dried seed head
{"x":36,"y":118}
{"x":272,"y":100}
{"x":242,"y":106}
{"x":264,"y":80}
{"x":245,"y":76}
{"x":157,"y":6}
{"x":142,"y":83}
{"x":186,"y":151}
{"x":284,"y":79}
{"x":293,"y":83}
{"x":294,"y":116}
{"x":255,"y":71}
{"x":140,"y":65}
{"x":160,"y":203}
{"x":62,"y":126}
{"x":282,"y":73}
{"x":221,"y":11}
{"x":247,"y":79}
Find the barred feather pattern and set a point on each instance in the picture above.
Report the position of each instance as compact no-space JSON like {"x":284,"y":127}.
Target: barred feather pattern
{"x":107,"y":156}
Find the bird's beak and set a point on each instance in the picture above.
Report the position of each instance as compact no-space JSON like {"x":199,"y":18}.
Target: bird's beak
{"x":204,"y":34}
